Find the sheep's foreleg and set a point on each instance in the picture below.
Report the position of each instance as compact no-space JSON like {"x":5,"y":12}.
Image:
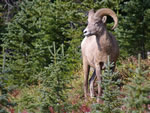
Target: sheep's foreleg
{"x":86,"y":69}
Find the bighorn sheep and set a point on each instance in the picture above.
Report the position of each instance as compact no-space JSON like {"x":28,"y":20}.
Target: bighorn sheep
{"x":97,"y":45}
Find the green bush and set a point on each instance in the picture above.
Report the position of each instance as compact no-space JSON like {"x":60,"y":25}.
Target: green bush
{"x":137,"y":91}
{"x":30,"y":34}
{"x":53,"y":83}
{"x":111,"y":92}
{"x":5,"y":102}
{"x":56,"y":79}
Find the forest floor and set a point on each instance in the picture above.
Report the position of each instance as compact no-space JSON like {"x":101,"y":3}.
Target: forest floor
{"x":29,"y":96}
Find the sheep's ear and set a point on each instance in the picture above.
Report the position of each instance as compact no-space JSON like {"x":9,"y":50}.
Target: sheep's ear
{"x":104,"y":19}
{"x":91,"y":14}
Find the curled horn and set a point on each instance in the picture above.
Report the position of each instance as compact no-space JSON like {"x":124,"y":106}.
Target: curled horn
{"x":106,"y":11}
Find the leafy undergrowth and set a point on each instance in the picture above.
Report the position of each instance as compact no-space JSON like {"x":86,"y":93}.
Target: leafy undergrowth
{"x":131,"y":64}
{"x":134,"y":76}
{"x":134,"y":97}
{"x":76,"y":95}
{"x":28,"y":99}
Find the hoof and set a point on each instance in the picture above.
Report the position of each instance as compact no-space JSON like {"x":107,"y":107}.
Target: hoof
{"x":91,"y":95}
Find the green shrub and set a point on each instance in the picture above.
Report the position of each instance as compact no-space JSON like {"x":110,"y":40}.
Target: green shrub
{"x":111,"y":92}
{"x":5,"y":102}
{"x":131,"y":63}
{"x":54,"y":81}
{"x":137,"y":91}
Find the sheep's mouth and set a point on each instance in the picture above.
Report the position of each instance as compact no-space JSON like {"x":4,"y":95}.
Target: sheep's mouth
{"x":88,"y":34}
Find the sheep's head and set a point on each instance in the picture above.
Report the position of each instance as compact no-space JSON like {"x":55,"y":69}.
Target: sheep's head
{"x":96,"y":21}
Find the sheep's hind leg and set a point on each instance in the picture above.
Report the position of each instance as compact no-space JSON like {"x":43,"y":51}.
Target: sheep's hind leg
{"x":113,"y":68}
{"x":91,"y":82}
{"x":98,"y":74}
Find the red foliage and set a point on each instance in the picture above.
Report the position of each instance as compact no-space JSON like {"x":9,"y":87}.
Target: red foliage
{"x":24,"y":111}
{"x":12,"y":110}
{"x":85,"y":109}
{"x":15,"y":93}
{"x":73,"y":111}
{"x":51,"y":109}
{"x":63,"y":110}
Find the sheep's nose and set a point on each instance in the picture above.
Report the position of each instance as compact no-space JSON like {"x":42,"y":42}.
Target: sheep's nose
{"x":85,"y":31}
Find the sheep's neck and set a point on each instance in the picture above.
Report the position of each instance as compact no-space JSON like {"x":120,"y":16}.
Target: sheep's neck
{"x":103,"y":40}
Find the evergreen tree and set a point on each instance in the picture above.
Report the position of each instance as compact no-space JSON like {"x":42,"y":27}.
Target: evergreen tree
{"x":29,"y":36}
{"x":5,"y":102}
{"x":137,"y":91}
{"x":133,"y":31}
{"x":111,"y":92}
{"x":55,"y":80}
